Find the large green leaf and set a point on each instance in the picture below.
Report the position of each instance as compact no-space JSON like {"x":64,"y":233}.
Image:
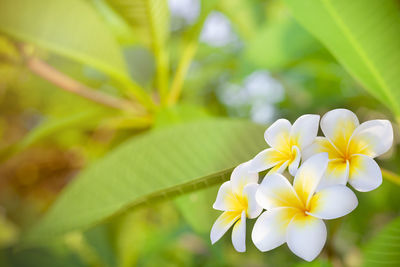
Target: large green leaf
{"x":364,"y":36}
{"x":70,"y":28}
{"x":150,"y":20}
{"x":280,"y":43}
{"x":155,"y":166}
{"x":384,"y":249}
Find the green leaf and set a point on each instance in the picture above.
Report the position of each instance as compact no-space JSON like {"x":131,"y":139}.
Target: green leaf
{"x":150,"y":20}
{"x":384,"y":248}
{"x":155,"y":166}
{"x":86,"y":119}
{"x":364,"y":36}
{"x":280,"y":43}
{"x":242,"y":14}
{"x":199,"y":202}
{"x":70,"y":28}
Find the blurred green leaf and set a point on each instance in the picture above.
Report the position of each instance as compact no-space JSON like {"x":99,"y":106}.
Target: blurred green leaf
{"x":150,"y":20}
{"x":155,"y":166}
{"x":99,"y":240}
{"x":86,"y":118}
{"x":364,"y":35}
{"x":384,"y":248}
{"x":56,"y":255}
{"x":179,"y":114}
{"x":70,"y":28}
{"x":280,"y":43}
{"x":199,"y":202}
{"x":242,"y":14}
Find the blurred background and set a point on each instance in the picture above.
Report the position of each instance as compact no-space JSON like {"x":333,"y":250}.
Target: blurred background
{"x":246,"y":59}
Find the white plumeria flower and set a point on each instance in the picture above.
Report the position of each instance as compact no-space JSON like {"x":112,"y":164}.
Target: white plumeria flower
{"x":237,"y":199}
{"x":351,"y":147}
{"x":294,"y":213}
{"x":286,"y":141}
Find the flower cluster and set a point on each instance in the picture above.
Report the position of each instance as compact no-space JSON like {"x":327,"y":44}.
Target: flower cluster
{"x":294,"y":212}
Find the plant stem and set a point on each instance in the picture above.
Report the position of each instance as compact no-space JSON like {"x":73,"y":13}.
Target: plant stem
{"x":181,"y":72}
{"x":135,"y":91}
{"x":68,"y":84}
{"x":391,"y":176}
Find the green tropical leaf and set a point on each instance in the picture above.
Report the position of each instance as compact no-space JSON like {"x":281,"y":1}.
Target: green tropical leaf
{"x":384,"y":248}
{"x":243,"y":16}
{"x":70,"y":28}
{"x":364,"y":36}
{"x":282,"y":42}
{"x":84,"y":119}
{"x":150,"y":20}
{"x":158,"y":165}
{"x":199,"y":202}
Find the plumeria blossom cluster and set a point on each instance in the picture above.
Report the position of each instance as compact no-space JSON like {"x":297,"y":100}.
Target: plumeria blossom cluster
{"x":293,"y":212}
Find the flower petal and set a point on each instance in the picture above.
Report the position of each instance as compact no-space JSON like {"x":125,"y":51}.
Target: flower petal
{"x":276,"y":191}
{"x":365,"y":174}
{"x":269,"y":230}
{"x":333,"y":202}
{"x":266,"y":159}
{"x":306,"y":236}
{"x":338,"y":125}
{"x":239,"y":234}
{"x":337,"y":172}
{"x":321,"y":144}
{"x":277,"y":135}
{"x":309,"y":176}
{"x":305,"y":129}
{"x":241,"y":176}
{"x":279,"y":168}
{"x":372,"y":138}
{"x":294,"y":165}
{"x":253,"y":209}
{"x":226,"y":199}
{"x":222,"y":224}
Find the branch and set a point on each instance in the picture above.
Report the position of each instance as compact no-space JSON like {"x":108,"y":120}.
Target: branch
{"x":61,"y":80}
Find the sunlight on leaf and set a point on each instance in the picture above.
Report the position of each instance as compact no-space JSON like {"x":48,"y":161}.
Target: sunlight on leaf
{"x":364,"y":36}
{"x":70,"y":28}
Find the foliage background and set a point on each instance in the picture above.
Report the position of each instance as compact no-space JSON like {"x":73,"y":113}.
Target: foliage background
{"x":134,"y":185}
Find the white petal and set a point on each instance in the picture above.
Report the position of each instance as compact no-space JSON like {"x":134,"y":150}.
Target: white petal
{"x":305,"y":129}
{"x":294,"y":165}
{"x":222,"y":224}
{"x":253,"y":209}
{"x":269,"y":230}
{"x":320,"y":144}
{"x":276,"y":191}
{"x":280,"y":168}
{"x":226,"y":199}
{"x":337,"y":172}
{"x":372,"y":138}
{"x":333,"y":202}
{"x":365,"y":174}
{"x":309,"y":176}
{"x":241,"y":176}
{"x":239,"y":234}
{"x":277,"y":135}
{"x":338,"y":125}
{"x":266,"y":159}
{"x":306,"y":236}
